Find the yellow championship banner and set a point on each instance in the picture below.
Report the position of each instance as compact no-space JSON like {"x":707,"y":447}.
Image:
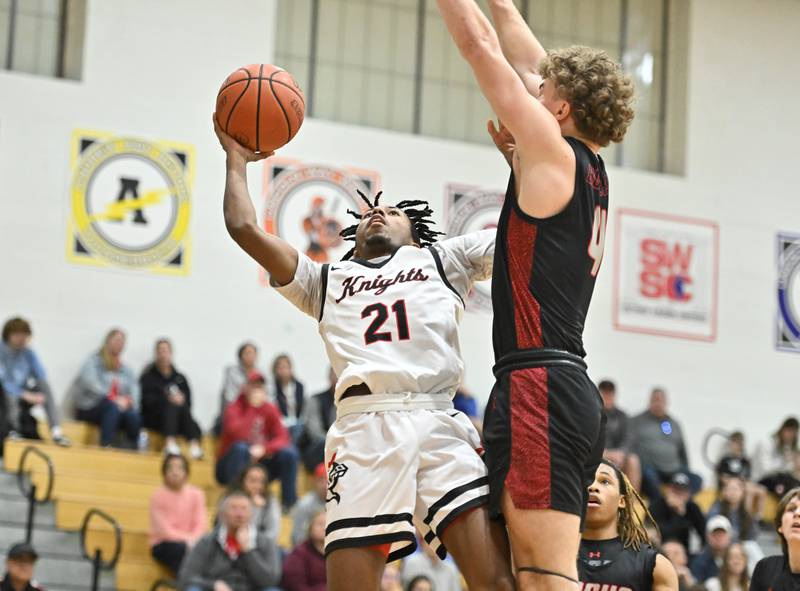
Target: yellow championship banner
{"x":130,"y":202}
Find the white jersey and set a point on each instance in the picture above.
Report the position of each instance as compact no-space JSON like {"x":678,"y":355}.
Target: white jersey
{"x":392,"y":323}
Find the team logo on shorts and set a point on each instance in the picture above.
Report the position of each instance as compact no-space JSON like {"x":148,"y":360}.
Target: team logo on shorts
{"x":130,"y":202}
{"x":788,"y":330}
{"x":335,"y":472}
{"x":469,"y":209}
{"x":306,"y":204}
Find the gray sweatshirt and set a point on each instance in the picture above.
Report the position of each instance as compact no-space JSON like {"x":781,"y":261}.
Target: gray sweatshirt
{"x":658,"y":442}
{"x":208,"y":562}
{"x":94,"y":383}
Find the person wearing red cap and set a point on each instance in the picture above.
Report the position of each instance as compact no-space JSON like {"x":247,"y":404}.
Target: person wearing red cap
{"x":252,"y":431}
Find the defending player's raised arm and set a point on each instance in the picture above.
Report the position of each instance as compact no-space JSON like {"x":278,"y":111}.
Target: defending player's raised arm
{"x":520,"y":46}
{"x":536,"y":131}
{"x":276,"y":256}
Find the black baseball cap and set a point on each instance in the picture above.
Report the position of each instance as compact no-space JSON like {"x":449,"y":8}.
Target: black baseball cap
{"x":680,"y":479}
{"x":21,"y":550}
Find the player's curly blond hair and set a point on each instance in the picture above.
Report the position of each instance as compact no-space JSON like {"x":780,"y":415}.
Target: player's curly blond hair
{"x":600,"y":94}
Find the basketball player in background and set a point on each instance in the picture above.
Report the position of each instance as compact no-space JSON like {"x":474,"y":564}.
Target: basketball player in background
{"x":543,"y":426}
{"x":398,"y":453}
{"x":614,"y":551}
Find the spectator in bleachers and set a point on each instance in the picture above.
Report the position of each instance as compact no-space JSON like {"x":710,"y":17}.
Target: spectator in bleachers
{"x":25,"y":383}
{"x":309,"y":505}
{"x":731,"y":504}
{"x":677,"y":555}
{"x":105,"y":392}
{"x":304,"y":568}
{"x":20,"y":561}
{"x":777,"y":460}
{"x":252,"y":431}
{"x":718,"y":538}
{"x":167,"y":402}
{"x":420,"y":583}
{"x":390,"y":579}
{"x":266,"y":511}
{"x":178,"y":515}
{"x":466,"y":403}
{"x":233,"y":557}
{"x":782,"y":572}
{"x":443,"y":574}
{"x":733,"y":574}
{"x":234,"y":377}
{"x":676,"y":514}
{"x":320,"y":415}
{"x":289,"y":396}
{"x":734,"y":463}
{"x":617,"y":435}
{"x":657,"y":439}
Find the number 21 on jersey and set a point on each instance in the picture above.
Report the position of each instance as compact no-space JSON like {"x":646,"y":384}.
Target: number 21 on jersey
{"x":374,"y":334}
{"x":597,"y":242}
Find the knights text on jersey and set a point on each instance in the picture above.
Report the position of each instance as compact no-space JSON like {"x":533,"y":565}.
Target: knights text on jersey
{"x":392,"y":323}
{"x":545,"y":269}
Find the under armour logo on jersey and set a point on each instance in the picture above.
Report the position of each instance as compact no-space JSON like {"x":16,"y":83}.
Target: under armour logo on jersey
{"x":335,"y":472}
{"x":353,"y":285}
{"x":594,"y":554}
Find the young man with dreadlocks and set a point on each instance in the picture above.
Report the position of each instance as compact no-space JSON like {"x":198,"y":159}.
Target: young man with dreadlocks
{"x":398,"y":454}
{"x":614,"y":553}
{"x":544,"y":426}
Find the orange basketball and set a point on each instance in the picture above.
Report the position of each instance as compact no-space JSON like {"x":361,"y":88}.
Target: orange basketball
{"x":261,"y":107}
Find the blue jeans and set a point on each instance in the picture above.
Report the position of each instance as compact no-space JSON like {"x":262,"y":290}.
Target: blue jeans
{"x":110,"y":418}
{"x":282,"y":465}
{"x":653,"y":478}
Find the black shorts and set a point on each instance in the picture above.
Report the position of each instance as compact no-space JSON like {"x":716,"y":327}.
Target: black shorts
{"x":544,"y":433}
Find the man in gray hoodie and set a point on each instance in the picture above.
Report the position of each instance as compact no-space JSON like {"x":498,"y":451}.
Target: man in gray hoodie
{"x":234,"y":557}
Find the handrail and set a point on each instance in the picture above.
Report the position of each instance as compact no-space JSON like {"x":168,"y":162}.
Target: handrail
{"x":31,"y":449}
{"x":104,"y":565}
{"x":168,"y":583}
{"x":713,"y":432}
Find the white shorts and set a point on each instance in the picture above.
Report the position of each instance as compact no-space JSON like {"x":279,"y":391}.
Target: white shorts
{"x":389,"y":471}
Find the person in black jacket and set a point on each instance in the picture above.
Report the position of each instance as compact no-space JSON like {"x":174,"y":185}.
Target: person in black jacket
{"x":19,"y":569}
{"x":676,"y":513}
{"x":289,"y":396}
{"x":167,"y":402}
{"x":782,"y":573}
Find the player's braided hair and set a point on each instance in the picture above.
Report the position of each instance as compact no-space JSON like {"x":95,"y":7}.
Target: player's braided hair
{"x":632,"y":517}
{"x":418,"y":212}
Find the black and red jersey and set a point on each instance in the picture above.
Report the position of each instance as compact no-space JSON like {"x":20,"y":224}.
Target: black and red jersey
{"x":545,"y":269}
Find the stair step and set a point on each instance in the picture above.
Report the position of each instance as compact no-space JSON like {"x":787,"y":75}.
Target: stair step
{"x":14,"y":509}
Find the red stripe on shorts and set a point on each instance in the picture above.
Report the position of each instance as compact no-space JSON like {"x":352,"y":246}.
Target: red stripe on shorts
{"x":528,"y":479}
{"x":521,"y":246}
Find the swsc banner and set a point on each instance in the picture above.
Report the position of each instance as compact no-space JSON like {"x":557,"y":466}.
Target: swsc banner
{"x":666,"y":275}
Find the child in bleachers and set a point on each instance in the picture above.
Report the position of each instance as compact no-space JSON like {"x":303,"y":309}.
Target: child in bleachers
{"x":177,"y":514}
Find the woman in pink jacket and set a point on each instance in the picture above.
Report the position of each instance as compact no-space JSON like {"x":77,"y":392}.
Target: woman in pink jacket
{"x":178,"y":515}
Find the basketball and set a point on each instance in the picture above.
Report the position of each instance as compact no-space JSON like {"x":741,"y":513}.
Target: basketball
{"x":261,"y":106}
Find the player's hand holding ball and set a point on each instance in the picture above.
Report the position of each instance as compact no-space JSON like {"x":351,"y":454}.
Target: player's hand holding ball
{"x":259,"y":109}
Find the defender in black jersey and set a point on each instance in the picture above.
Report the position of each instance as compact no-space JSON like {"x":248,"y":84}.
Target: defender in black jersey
{"x":543,"y":426}
{"x":614,"y":553}
{"x":782,"y":573}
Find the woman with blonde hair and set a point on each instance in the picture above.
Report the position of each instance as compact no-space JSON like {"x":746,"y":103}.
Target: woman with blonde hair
{"x":733,"y":575}
{"x":105,"y":392}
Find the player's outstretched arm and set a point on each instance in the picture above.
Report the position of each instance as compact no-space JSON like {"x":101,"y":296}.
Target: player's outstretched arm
{"x":534,"y":128}
{"x":276,"y":256}
{"x":520,"y":46}
{"x":664,"y":576}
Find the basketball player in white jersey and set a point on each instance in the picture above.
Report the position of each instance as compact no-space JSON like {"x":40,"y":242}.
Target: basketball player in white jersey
{"x":398,"y":455}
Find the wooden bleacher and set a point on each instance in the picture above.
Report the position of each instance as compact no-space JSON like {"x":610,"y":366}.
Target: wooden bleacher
{"x":120,"y":483}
